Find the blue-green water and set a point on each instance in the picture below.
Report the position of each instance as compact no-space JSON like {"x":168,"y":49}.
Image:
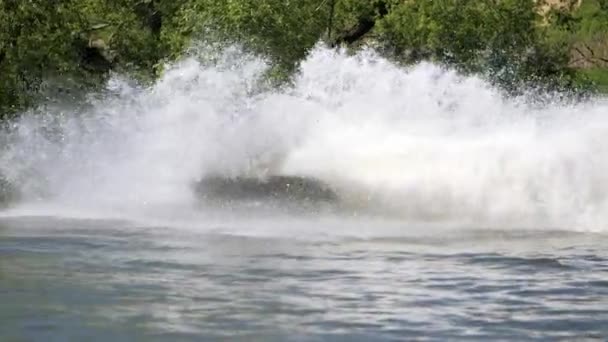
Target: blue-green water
{"x":100,"y":280}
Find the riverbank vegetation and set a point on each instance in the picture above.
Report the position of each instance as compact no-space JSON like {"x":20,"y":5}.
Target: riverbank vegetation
{"x":54,"y":49}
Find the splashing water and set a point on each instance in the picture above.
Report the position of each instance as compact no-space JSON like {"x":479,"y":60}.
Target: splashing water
{"x":420,"y":144}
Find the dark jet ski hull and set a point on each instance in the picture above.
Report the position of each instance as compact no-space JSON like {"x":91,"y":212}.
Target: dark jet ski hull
{"x":273,"y":188}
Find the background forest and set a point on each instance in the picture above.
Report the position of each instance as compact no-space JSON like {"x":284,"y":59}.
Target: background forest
{"x":53,"y":48}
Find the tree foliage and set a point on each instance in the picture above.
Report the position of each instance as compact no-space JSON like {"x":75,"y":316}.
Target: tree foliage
{"x":65,"y":44}
{"x":37,"y":40}
{"x":50,"y":45}
{"x":503,"y":40}
{"x":283,"y":30}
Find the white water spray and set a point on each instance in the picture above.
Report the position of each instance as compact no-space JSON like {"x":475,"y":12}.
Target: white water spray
{"x":419,"y":144}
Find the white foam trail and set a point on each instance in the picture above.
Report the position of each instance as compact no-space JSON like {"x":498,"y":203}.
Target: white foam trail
{"x":419,"y":144}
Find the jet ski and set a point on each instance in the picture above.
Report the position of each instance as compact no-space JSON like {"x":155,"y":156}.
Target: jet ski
{"x":275,"y":188}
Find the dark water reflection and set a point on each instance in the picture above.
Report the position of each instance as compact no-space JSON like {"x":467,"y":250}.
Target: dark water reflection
{"x":109,"y":281}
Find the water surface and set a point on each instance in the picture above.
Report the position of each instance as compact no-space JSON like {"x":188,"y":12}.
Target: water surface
{"x":100,"y":280}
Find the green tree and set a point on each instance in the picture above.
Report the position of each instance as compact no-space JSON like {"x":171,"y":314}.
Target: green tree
{"x":38,"y":39}
{"x":51,"y":46}
{"x":501,"y":39}
{"x":283,"y":30}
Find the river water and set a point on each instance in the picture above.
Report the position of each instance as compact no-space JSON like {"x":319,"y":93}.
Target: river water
{"x":461,"y":214}
{"x":99,"y":280}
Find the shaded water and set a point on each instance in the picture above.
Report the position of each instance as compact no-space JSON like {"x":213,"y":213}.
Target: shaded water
{"x":454,"y":213}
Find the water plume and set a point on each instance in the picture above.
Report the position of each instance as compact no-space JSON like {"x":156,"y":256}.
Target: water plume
{"x":416,"y":144}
